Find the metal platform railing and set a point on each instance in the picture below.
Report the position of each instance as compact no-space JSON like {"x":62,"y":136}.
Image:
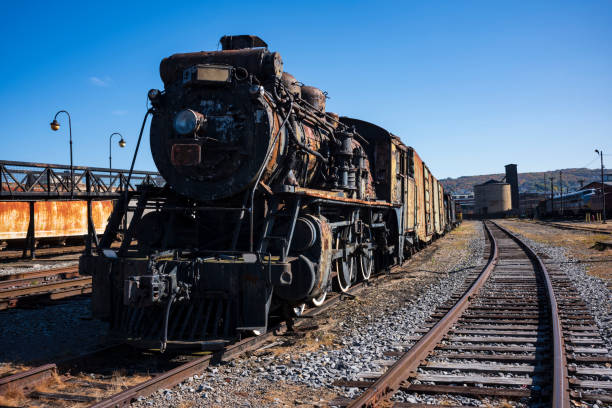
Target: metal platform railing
{"x":25,"y":181}
{"x":33,"y":182}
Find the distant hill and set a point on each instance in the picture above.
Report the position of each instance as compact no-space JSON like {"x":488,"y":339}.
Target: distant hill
{"x":528,"y":182}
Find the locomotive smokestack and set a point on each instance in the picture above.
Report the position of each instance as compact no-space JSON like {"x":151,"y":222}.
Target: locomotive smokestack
{"x":238,"y":42}
{"x":512,"y":179}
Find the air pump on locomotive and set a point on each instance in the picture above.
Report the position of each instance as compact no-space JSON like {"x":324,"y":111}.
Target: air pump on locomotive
{"x":269,"y":204}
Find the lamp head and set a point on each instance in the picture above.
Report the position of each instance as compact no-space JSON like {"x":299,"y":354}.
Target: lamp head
{"x":55,"y":125}
{"x":596,"y":151}
{"x":122,"y":142}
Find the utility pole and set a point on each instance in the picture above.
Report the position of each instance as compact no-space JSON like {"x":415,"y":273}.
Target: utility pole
{"x":603,"y":186}
{"x":552,"y":197}
{"x":561,"y":189}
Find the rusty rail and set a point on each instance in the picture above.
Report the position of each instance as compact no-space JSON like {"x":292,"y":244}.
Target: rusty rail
{"x":29,"y":277}
{"x":386,"y":385}
{"x":574,"y":227}
{"x":27,"y":378}
{"x":52,"y":290}
{"x":560,"y":373}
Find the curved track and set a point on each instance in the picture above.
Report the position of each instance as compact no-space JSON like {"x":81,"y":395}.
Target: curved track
{"x":503,"y":339}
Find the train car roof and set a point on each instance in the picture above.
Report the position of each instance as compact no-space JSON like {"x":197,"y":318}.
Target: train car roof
{"x":370,"y":131}
{"x":373,"y":132}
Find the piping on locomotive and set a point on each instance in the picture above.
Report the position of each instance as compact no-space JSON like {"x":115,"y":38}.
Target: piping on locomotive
{"x":270,"y":204}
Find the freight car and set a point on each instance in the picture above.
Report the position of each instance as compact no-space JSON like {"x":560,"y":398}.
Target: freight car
{"x":54,"y":221}
{"x":580,"y":202}
{"x":270,"y":204}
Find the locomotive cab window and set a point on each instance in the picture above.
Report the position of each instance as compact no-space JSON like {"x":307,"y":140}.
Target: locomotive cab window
{"x":411,"y":162}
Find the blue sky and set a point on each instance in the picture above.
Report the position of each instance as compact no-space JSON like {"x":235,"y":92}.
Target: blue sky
{"x":472,"y":85}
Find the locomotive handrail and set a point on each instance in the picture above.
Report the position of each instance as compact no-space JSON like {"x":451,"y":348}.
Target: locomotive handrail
{"x":270,"y":149}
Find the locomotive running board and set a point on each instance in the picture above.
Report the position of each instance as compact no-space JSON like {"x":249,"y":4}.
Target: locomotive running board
{"x":337,"y":196}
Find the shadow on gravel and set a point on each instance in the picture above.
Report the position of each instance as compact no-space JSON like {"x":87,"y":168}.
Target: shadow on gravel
{"x":53,"y":331}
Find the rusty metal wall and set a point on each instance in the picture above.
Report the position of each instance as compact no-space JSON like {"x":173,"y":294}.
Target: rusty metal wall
{"x":436,"y":204}
{"x":51,"y":218}
{"x":410,"y":204}
{"x":439,"y":203}
{"x":420,"y":183}
{"x":445,"y":212}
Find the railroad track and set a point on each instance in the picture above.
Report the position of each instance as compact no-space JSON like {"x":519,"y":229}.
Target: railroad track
{"x":560,"y":225}
{"x":43,"y":253}
{"x":35,"y":286}
{"x":517,"y":333}
{"x":96,"y":386}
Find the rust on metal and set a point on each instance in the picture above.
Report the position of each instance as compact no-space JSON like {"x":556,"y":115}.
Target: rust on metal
{"x":67,"y":272}
{"x":51,"y":218}
{"x":330,"y":195}
{"x":184,"y":154}
{"x":314,"y":96}
{"x":27,"y":378}
{"x":45,"y":288}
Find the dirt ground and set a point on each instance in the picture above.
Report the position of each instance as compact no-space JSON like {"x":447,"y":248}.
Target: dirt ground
{"x":581,"y":245}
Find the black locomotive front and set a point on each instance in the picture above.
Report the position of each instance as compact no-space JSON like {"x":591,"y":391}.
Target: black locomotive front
{"x":240,"y":230}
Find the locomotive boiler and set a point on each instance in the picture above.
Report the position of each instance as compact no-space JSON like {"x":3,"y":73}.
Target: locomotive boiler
{"x":270,"y":203}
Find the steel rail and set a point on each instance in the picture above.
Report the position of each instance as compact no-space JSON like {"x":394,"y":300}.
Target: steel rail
{"x":560,"y":225}
{"x":386,"y":385}
{"x":560,"y":395}
{"x":45,"y":288}
{"x":18,"y":278}
{"x":27,"y":378}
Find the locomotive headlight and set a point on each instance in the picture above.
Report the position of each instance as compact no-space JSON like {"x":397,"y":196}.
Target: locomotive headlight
{"x":188,"y":122}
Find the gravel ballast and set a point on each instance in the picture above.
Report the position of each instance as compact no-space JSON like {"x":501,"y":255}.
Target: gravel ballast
{"x":300,"y":377}
{"x":592,"y":290}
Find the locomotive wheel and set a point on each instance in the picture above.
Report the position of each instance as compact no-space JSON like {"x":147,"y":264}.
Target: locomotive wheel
{"x":366,"y":259}
{"x":316,"y":302}
{"x":345,"y":270}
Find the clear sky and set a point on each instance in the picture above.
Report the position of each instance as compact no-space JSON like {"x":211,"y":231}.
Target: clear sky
{"x":472,"y":85}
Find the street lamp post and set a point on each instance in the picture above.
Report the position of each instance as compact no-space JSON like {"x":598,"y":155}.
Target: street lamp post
{"x":603,"y":187}
{"x":55,"y":126}
{"x":110,"y":149}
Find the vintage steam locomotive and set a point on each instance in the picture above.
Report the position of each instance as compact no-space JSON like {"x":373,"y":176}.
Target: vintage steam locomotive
{"x":270,"y":204}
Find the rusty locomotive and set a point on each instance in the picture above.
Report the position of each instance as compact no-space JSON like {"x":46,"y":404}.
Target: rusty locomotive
{"x":270,"y":204}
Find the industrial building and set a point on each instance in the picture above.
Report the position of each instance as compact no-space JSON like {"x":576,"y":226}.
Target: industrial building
{"x":512,"y":179}
{"x":492,"y":198}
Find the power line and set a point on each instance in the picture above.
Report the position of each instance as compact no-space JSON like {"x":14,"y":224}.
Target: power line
{"x":589,"y":163}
